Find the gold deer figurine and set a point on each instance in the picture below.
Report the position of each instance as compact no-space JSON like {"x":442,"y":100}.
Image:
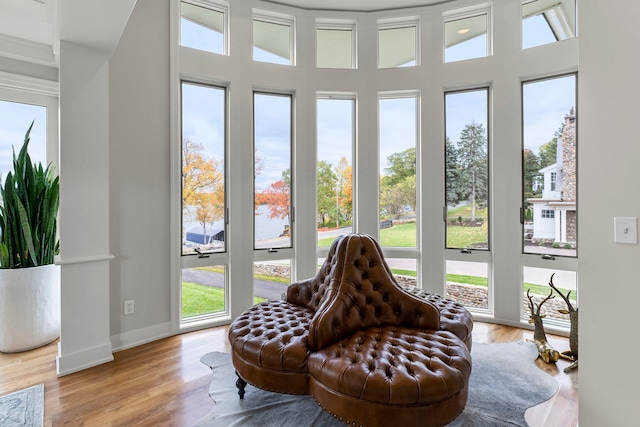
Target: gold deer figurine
{"x":545,"y":350}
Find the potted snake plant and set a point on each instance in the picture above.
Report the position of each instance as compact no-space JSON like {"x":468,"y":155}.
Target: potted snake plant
{"x":29,"y":279}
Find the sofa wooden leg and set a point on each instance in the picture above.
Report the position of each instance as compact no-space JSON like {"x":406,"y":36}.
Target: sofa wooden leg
{"x":241,"y":384}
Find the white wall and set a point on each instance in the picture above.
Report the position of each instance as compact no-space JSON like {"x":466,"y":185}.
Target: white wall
{"x":608,"y":84}
{"x":84,"y":208}
{"x":139,"y":177}
{"x":608,"y":112}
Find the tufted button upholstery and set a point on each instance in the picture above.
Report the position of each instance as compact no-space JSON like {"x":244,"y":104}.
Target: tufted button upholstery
{"x":370,"y":351}
{"x":269,"y":345}
{"x":453,"y":316}
{"x":362,"y":293}
{"x":394,"y":365}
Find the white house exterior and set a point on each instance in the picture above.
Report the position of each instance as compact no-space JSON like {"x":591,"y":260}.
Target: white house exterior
{"x":554,"y":214}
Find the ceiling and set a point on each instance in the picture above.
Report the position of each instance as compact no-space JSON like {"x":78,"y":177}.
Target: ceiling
{"x":29,"y":19}
{"x":355,"y":5}
{"x":35,"y":20}
{"x":30,"y":30}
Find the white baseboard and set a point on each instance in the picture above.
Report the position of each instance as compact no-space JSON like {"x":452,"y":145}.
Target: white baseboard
{"x":140,"y":336}
{"x":87,"y":358}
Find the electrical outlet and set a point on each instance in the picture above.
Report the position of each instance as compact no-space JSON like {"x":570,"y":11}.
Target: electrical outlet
{"x":128,"y":307}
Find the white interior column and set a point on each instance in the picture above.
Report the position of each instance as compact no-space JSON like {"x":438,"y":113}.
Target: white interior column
{"x":84,"y":208}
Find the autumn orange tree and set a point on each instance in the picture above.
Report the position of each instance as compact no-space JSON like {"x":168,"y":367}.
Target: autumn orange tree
{"x":277,"y":196}
{"x":202,"y":185}
{"x":345,"y":189}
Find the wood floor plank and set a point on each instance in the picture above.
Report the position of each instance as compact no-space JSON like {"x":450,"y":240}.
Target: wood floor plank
{"x":163,"y":383}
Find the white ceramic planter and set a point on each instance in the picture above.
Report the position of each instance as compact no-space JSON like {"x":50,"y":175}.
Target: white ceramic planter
{"x":29,"y":307}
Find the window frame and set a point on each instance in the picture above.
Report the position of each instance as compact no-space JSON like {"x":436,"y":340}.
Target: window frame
{"x":488,"y":90}
{"x":225,"y":220}
{"x":288,"y":251}
{"x":339,"y":25}
{"x":466,"y":13}
{"x":35,"y":91}
{"x":274,"y":18}
{"x":568,"y":262}
{"x":411,"y":252}
{"x":398,"y":24}
{"x":220,"y":6}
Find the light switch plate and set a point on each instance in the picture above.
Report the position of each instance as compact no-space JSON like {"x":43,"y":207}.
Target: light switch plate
{"x":626,"y":230}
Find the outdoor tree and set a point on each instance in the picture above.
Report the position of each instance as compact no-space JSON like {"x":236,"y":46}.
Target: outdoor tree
{"x":208,"y":209}
{"x":399,"y":166}
{"x":392,"y":201}
{"x":327,"y":181}
{"x":202,"y":184}
{"x":451,"y":173}
{"x":531,"y":172}
{"x":548,"y":152}
{"x":277,"y":196}
{"x":396,"y":190}
{"x":394,"y":198}
{"x":473,"y":161}
{"x":344,"y":189}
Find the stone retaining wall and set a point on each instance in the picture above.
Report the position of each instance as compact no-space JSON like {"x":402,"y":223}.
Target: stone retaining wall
{"x":468,"y":295}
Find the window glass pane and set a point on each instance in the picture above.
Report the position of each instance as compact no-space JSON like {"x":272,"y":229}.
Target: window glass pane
{"x":271,"y":42}
{"x":536,"y":281}
{"x":272,"y":139}
{"x":203,"y":291}
{"x":334,"y":48}
{"x":467,"y":283}
{"x":335,"y":168}
{"x":404,"y":270}
{"x":15,"y":119}
{"x":467,"y":170}
{"x":202,"y":28}
{"x":270,"y":280}
{"x":398,"y":141}
{"x":203,"y":163}
{"x":397,"y":47}
{"x":547,"y":22}
{"x":465,"y":38}
{"x":549,"y":166}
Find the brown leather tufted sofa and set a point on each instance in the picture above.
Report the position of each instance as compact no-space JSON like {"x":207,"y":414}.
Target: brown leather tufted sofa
{"x":365,"y":348}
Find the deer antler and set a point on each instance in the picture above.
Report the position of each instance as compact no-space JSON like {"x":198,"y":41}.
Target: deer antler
{"x":531,"y":304}
{"x":573,"y":332}
{"x":564,"y":297}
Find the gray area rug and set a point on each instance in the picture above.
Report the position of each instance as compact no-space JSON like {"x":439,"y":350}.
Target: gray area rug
{"x":504,"y":383}
{"x":23,"y":408}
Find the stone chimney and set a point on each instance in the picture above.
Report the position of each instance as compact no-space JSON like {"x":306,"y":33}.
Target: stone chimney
{"x":569,"y":159}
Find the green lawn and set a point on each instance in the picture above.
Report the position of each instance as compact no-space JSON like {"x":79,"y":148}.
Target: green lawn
{"x":465,"y":212}
{"x":464,"y":237}
{"x":199,"y":299}
{"x":482,"y":281}
{"x":401,"y":235}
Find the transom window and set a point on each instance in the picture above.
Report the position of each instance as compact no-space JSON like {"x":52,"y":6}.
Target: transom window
{"x":466,"y":34}
{"x":398,"y":43}
{"x":273,"y":38}
{"x":203,"y":26}
{"x":335,"y":44}
{"x":547,"y":21}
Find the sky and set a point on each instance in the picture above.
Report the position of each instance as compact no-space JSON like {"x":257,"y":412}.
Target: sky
{"x":15,"y":119}
{"x":545,"y":104}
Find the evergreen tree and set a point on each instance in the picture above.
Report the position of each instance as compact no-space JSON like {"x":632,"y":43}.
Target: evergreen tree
{"x":473,"y":162}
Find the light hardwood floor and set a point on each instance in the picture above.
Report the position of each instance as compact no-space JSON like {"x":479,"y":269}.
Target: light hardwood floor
{"x":165,"y":384}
